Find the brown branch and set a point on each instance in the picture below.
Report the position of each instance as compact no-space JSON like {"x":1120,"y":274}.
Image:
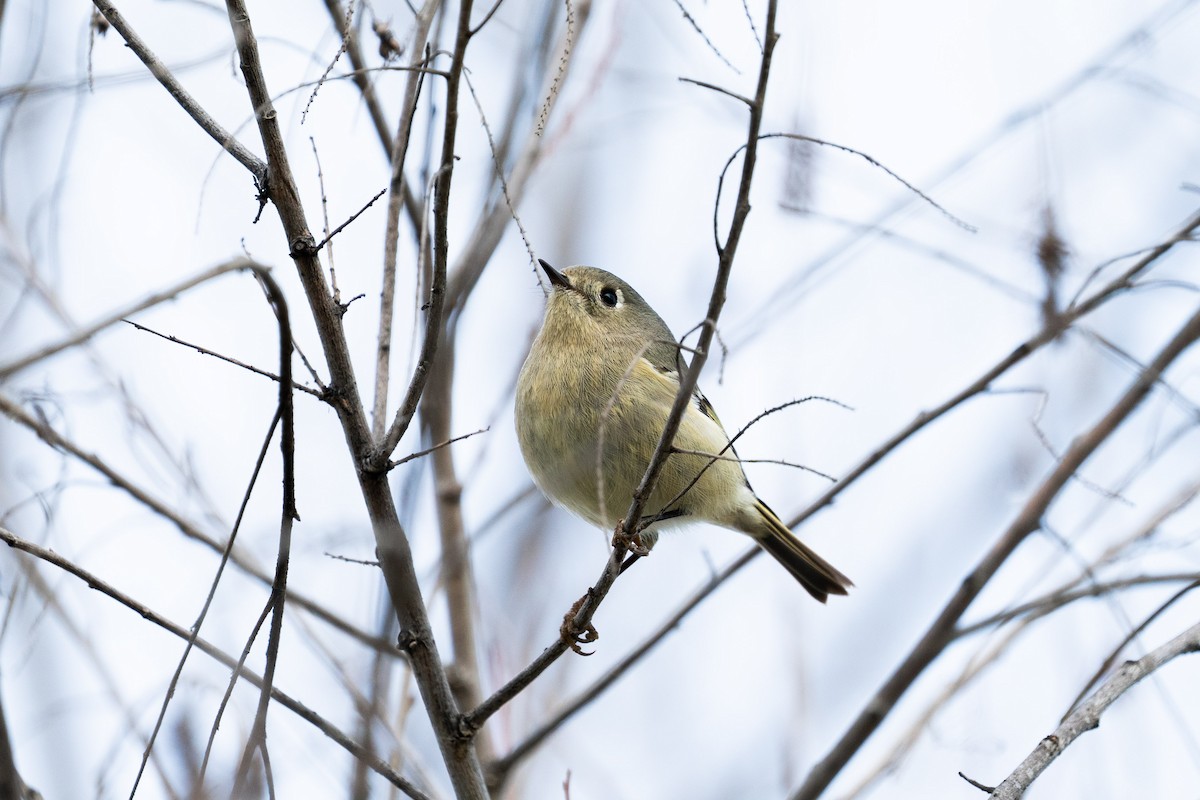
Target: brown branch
{"x":488,"y":231}
{"x":392,"y":547}
{"x":456,"y":574}
{"x":441,"y":243}
{"x":159,"y":70}
{"x":257,"y":740}
{"x":433,"y":448}
{"x":397,"y":192}
{"x":718,"y":89}
{"x":436,"y":408}
{"x":353,"y":217}
{"x":1087,"y":716}
{"x":499,"y":770}
{"x":941,"y":631}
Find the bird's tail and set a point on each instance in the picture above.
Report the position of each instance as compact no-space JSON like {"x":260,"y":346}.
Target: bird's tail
{"x":818,"y":577}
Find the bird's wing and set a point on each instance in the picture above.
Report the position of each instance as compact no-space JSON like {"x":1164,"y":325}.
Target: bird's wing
{"x":667,"y":359}
{"x":670,"y":374}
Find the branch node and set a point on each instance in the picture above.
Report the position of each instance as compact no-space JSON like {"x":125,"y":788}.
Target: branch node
{"x":344,"y":307}
{"x":409,"y":641}
{"x":303,"y":246}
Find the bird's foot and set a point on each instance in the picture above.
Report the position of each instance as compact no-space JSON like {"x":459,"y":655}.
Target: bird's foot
{"x":631,"y":542}
{"x":575,"y":636}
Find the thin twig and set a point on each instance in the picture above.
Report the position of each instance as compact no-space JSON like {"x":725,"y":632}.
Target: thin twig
{"x":560,"y":71}
{"x":206,"y":352}
{"x":487,"y":17}
{"x":257,"y":741}
{"x":1107,"y":663}
{"x":189,"y":529}
{"x":879,"y":165}
{"x":361,"y":75}
{"x":353,"y":217}
{"x":715,"y":88}
{"x":778,"y":461}
{"x":441,"y":243}
{"x":438,"y":446}
{"x":347,"y":32}
{"x":199,"y":623}
{"x":86,"y":333}
{"x":395,"y":555}
{"x":696,"y":27}
{"x":485,"y":237}
{"x":95,"y":582}
{"x":396,"y":200}
{"x":508,"y":200}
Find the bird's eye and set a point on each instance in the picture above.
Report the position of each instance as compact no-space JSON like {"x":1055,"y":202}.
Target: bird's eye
{"x":608,"y":296}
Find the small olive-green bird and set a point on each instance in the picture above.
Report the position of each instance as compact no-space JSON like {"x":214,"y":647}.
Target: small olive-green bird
{"x":592,"y":401}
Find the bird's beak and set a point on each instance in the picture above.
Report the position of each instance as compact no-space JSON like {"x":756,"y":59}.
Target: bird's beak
{"x":555,"y":277}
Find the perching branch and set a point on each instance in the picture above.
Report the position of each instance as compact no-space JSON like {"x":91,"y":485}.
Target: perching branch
{"x":579,"y":619}
{"x":1050,"y":333}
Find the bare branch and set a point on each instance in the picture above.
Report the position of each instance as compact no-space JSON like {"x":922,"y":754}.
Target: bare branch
{"x":696,"y":27}
{"x":438,"y":446}
{"x":441,"y":243}
{"x":876,"y":163}
{"x":257,"y":741}
{"x":189,"y":529}
{"x":206,"y":352}
{"x":715,"y":88}
{"x":82,"y":335}
{"x":361,"y":75}
{"x":200,"y":618}
{"x":159,"y":70}
{"x":353,"y":217}
{"x":1087,"y":716}
{"x":392,"y":546}
{"x":398,"y":191}
{"x":1028,"y":520}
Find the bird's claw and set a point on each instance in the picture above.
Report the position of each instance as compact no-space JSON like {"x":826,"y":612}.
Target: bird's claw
{"x":631,"y":542}
{"x":573,"y":635}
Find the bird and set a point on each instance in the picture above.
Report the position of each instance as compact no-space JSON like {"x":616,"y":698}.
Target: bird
{"x":592,"y":401}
